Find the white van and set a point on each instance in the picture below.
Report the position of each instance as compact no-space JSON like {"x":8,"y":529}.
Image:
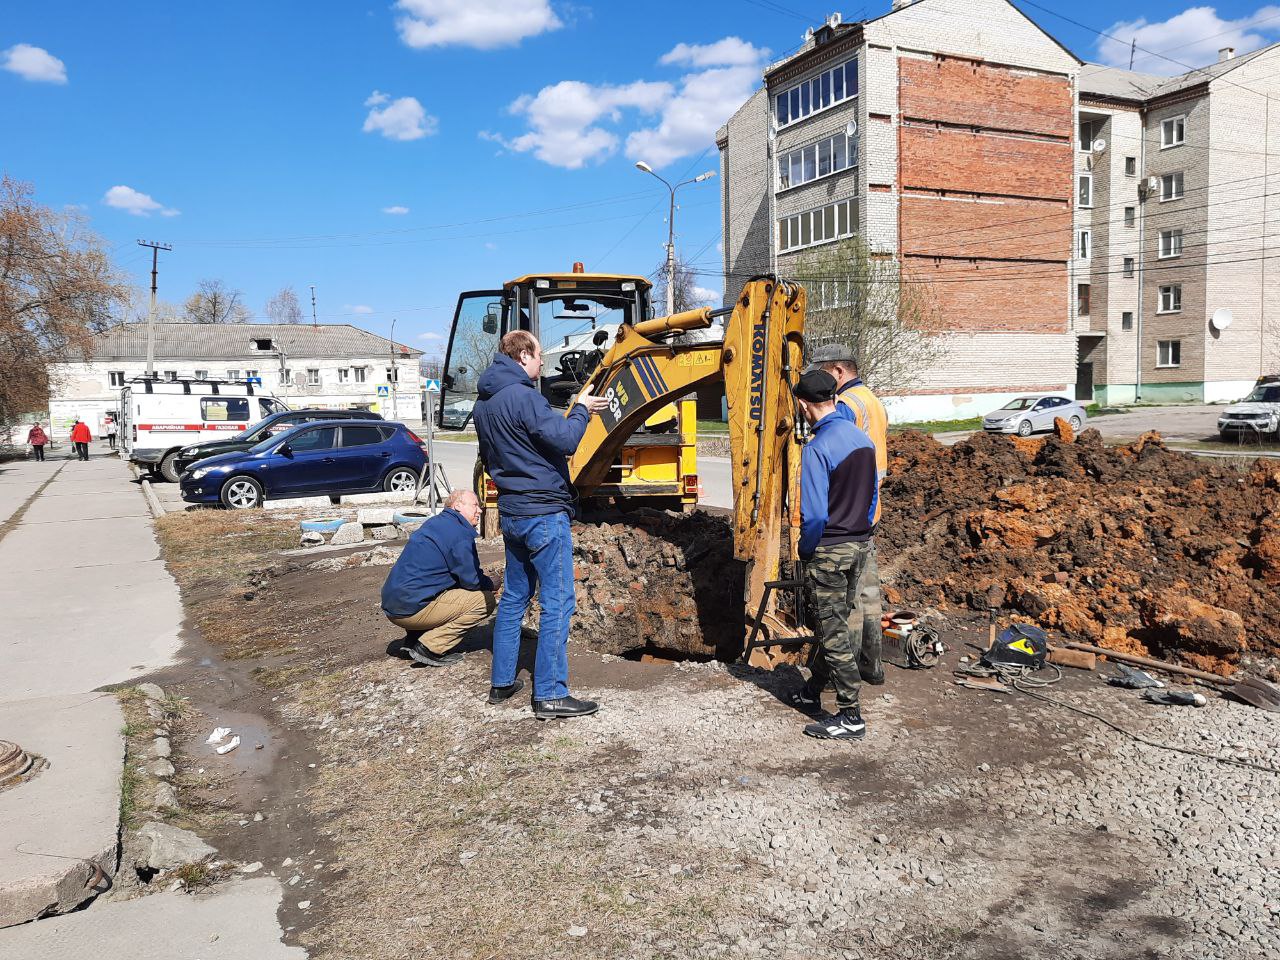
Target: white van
{"x":160,"y":417}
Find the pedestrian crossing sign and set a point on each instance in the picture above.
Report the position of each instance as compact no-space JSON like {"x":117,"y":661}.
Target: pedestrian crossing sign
{"x":431,"y":386}
{"x":384,"y":390}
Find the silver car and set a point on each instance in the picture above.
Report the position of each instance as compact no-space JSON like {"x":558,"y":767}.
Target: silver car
{"x":1025,"y":415}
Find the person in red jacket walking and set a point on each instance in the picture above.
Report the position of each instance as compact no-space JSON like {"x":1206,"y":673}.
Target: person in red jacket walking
{"x":38,"y":439}
{"x":81,"y":437}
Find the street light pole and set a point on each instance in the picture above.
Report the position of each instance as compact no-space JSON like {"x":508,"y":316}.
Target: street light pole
{"x":391,"y":377}
{"x":671,"y":227}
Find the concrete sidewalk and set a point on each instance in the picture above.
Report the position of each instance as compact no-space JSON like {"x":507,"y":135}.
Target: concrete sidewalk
{"x":88,"y":603}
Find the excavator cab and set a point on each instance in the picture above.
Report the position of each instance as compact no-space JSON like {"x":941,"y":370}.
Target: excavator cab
{"x":575,"y":317}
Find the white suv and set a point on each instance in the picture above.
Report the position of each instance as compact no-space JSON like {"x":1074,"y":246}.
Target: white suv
{"x":1257,"y":413}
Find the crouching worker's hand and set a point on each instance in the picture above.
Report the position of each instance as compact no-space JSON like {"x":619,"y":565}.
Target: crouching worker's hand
{"x":593,"y":403}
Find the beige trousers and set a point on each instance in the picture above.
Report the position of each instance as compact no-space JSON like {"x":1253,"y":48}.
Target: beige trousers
{"x":444,"y":620}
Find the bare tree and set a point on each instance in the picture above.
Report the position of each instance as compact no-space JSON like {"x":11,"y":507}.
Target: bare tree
{"x":57,"y":289}
{"x":284,"y":307}
{"x":215,"y":302}
{"x":686,"y":288}
{"x":864,"y":300}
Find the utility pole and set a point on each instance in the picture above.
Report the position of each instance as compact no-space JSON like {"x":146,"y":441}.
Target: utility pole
{"x":151,"y":315}
{"x":391,"y":374}
{"x":313,"y":306}
{"x":671,"y":228}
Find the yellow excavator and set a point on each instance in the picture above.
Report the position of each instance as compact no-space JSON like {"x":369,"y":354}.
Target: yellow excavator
{"x":651,"y":364}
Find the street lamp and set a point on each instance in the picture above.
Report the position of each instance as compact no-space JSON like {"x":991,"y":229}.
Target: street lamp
{"x":671,"y":227}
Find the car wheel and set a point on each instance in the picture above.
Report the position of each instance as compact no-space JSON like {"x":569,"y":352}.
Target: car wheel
{"x":1024,"y":428}
{"x":169,"y":467}
{"x":241,"y":493}
{"x":400,"y":480}
{"x":1075,"y":423}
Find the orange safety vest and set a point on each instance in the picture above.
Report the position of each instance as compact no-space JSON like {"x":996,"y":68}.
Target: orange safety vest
{"x":868,"y":413}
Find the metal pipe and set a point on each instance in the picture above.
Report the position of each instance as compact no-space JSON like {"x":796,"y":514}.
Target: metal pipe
{"x":695,"y":319}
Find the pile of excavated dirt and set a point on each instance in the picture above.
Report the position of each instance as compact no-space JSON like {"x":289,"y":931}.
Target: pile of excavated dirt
{"x":667,"y":583}
{"x":1138,"y":548}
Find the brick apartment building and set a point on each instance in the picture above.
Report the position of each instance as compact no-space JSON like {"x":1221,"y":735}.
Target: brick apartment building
{"x":1174,"y":182}
{"x":951,"y":135}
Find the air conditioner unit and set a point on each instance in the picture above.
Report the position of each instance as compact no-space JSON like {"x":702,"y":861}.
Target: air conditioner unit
{"x":1153,"y":184}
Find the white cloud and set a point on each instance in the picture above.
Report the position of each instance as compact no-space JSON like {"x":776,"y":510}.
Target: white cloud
{"x":35,"y":64}
{"x":358,"y":308}
{"x":483,"y":24}
{"x":572,"y":123}
{"x":564,"y":119}
{"x":429,"y":335}
{"x":1191,"y":38}
{"x":397,"y":211}
{"x":706,"y":295}
{"x":400,"y":119}
{"x":135,"y":202}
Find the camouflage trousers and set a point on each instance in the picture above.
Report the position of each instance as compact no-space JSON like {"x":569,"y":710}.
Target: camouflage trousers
{"x":844,"y":584}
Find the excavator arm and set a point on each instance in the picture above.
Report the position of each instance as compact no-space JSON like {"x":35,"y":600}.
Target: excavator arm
{"x":758,"y":361}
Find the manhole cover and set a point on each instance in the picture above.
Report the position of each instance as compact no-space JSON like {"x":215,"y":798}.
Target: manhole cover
{"x":16,"y":764}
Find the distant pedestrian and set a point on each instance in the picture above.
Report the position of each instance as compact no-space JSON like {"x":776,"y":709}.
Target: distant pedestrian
{"x":525,"y":446}
{"x":436,"y":591}
{"x":38,"y":440}
{"x":81,"y":437}
{"x":112,"y":430}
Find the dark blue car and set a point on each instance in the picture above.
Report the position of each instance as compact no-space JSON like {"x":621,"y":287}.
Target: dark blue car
{"x":327,"y":458}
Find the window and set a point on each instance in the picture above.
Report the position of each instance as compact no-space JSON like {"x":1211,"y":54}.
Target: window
{"x":344,"y":374}
{"x":1126,"y":320}
{"x":1170,"y":243}
{"x":1082,"y":299}
{"x":825,"y":90}
{"x":822,"y":225}
{"x":1130,"y":216}
{"x":171,"y":375}
{"x":393,"y":375}
{"x":286,"y":375}
{"x":115,"y":378}
{"x":1173,"y":132}
{"x":250,"y":373}
{"x":221,"y":409}
{"x":360,"y":436}
{"x":1168,"y":353}
{"x":1170,"y":298}
{"x":1084,"y":190}
{"x":262,"y":343}
{"x":320,"y":438}
{"x":1082,"y":246}
{"x":202,"y":374}
{"x":1171,"y":187}
{"x":1130,"y":166}
{"x":1128,"y":266}
{"x":361,"y":374}
{"x":813,"y":161}
{"x":233,"y":374}
{"x":1088,"y":132}
{"x":313,"y":377}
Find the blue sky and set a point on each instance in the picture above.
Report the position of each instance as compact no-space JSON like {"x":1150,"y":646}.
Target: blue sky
{"x":394,"y":154}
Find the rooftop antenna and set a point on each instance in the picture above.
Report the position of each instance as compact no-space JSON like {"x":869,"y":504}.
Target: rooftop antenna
{"x":313,"y":306}
{"x":1133,"y":46}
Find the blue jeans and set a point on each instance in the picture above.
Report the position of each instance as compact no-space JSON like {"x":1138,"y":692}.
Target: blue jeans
{"x":539,"y":555}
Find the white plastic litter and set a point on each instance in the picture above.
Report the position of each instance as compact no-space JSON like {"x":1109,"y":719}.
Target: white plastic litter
{"x":219,"y":734}
{"x":229,"y":745}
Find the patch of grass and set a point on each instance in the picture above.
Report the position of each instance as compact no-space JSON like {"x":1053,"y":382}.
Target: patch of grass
{"x":712,"y":426}
{"x":129,"y":783}
{"x":218,"y":546}
{"x":194,"y":875}
{"x":938,"y":426}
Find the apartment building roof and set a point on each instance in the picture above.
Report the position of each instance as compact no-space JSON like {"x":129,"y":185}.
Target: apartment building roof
{"x":235,"y":341}
{"x":1113,"y":83}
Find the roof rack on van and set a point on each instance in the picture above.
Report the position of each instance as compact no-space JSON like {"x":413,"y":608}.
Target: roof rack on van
{"x":212,"y":382}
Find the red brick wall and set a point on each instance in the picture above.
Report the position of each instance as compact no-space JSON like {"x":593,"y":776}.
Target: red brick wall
{"x":963,"y":226}
{"x":944,"y":159}
{"x":974,"y":295}
{"x":975,"y":94}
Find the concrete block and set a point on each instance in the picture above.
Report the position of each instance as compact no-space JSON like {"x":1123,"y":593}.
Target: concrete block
{"x":347,"y":533}
{"x":387,"y":532}
{"x":375,"y":516}
{"x":312,"y":538}
{"x":166,"y":846}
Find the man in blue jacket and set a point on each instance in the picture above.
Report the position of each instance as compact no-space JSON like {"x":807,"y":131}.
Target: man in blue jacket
{"x":436,"y":591}
{"x":838,"y":498}
{"x":525,"y":446}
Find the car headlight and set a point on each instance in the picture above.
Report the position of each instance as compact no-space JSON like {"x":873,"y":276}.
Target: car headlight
{"x":198,"y":474}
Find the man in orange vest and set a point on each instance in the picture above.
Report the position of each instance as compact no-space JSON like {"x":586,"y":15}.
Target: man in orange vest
{"x":859,"y":404}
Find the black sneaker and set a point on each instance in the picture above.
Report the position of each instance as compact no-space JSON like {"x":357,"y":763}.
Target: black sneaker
{"x":420,"y":654}
{"x":844,"y":725}
{"x":399,"y":647}
{"x":503,"y":694}
{"x":564,"y":707}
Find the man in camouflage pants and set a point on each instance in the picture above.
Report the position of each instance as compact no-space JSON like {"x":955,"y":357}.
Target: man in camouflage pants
{"x":838,"y":499}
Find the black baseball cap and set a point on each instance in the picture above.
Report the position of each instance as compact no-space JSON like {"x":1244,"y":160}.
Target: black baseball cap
{"x":816,"y":386}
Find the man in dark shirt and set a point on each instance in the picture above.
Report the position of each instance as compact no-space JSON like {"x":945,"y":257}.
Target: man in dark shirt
{"x":436,"y":591}
{"x":838,"y":499}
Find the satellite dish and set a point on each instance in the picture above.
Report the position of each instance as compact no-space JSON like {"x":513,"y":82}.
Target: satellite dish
{"x":852,"y":128}
{"x":1099,"y":145}
{"x":1221,"y":318}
